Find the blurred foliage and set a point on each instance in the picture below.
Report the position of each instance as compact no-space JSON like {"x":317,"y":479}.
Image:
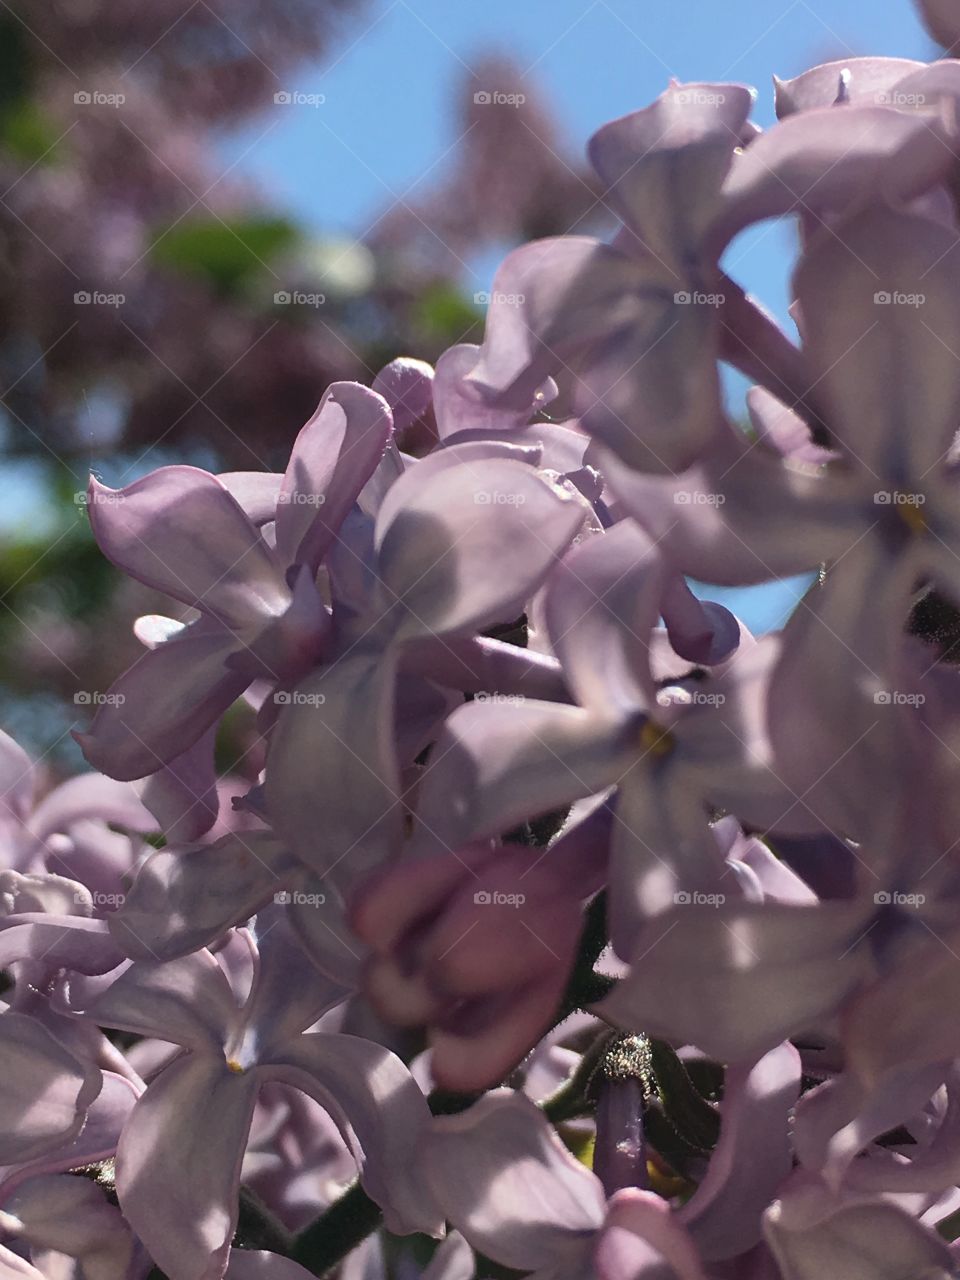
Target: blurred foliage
{"x":199,"y":362}
{"x":227,"y":253}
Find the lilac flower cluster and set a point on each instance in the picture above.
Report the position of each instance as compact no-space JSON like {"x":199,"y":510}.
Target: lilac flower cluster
{"x":592,"y":934}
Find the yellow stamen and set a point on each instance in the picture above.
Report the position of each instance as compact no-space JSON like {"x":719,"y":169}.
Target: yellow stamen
{"x":655,"y":739}
{"x":234,"y":1066}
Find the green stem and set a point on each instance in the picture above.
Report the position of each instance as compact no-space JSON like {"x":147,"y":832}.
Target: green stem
{"x":696,"y":1122}
{"x":343,"y":1226}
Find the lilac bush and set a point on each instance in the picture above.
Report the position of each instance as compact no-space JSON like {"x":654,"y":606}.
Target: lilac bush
{"x":570,"y":929}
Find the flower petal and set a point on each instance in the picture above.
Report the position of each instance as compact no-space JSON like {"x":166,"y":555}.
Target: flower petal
{"x":825,"y":160}
{"x":902,"y":1020}
{"x":603,"y":604}
{"x":406,"y":384}
{"x":46,"y":1090}
{"x":738,"y":979}
{"x":881,"y":306}
{"x":187,"y":1001}
{"x":467,"y":546}
{"x":333,"y":457}
{"x":507,"y":1183}
{"x":496,"y":765}
{"x":178,"y":1164}
{"x":459,"y":405}
{"x":182,"y":901}
{"x":380,"y":1111}
{"x":179,"y":530}
{"x":164,"y":703}
{"x":812,"y":1236}
{"x":752,"y":1158}
{"x":71,"y":1216}
{"x":643,"y":1240}
{"x":182,"y":795}
{"x":16,"y":779}
{"x":333,"y":783}
{"x":850,"y":80}
{"x":663,"y":166}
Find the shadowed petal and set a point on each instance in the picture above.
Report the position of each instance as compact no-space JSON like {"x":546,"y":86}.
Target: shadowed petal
{"x":738,"y":979}
{"x":46,"y":1090}
{"x":380,"y":1111}
{"x":507,"y":1183}
{"x":179,"y":530}
{"x":178,"y":1164}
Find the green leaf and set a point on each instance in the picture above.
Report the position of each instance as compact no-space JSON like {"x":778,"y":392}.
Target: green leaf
{"x":28,"y":134}
{"x":444,"y":314}
{"x":225,"y":253}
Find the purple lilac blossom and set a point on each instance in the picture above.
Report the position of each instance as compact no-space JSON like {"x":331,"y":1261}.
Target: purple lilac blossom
{"x":568,"y":927}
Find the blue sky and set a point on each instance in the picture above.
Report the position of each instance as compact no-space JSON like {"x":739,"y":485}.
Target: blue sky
{"x":385,"y":129}
{"x":385,"y":126}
